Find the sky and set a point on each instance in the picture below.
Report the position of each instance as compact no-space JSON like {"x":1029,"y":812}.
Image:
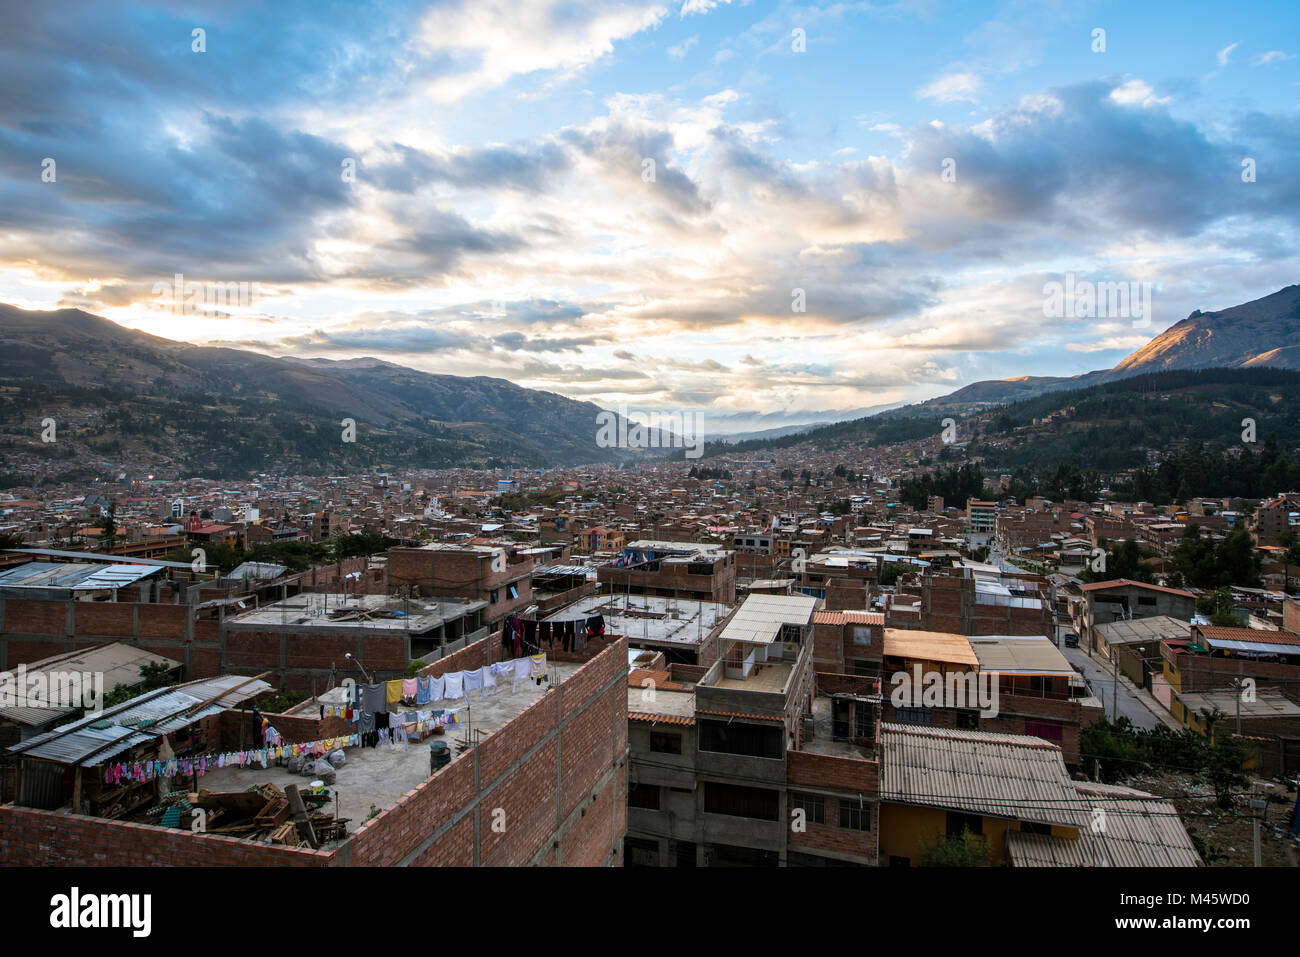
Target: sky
{"x":759,"y":213}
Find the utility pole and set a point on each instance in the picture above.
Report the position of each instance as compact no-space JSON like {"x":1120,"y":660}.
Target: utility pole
{"x":1114,"y":685}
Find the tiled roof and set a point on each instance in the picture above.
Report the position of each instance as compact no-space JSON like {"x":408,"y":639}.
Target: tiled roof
{"x":848,"y":618}
{"x":662,"y":680}
{"x":660,"y":718}
{"x":1254,"y":635}
{"x":740,"y":714}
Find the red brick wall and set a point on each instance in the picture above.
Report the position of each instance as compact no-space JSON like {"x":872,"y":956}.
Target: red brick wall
{"x":31,"y":838}
{"x":850,"y":778}
{"x":539,"y":778}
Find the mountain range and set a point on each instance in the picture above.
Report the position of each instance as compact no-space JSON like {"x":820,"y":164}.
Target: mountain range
{"x":224,"y":411}
{"x":219,"y":406}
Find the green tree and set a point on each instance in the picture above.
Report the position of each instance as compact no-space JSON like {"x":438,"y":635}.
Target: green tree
{"x":964,"y":850}
{"x":1225,"y":768}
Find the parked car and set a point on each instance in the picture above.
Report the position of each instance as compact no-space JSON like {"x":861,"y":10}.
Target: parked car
{"x":1072,"y":640}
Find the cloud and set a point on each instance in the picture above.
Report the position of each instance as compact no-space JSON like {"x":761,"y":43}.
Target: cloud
{"x":952,"y":88}
{"x":1271,"y":56}
{"x":486,"y":43}
{"x":679,"y":51}
{"x":1226,"y":52}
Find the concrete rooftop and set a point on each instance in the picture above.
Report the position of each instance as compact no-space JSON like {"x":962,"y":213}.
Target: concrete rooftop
{"x":382,"y":777}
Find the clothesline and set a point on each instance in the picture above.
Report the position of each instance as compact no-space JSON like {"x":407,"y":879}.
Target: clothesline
{"x":529,"y":634}
{"x":202,"y":764}
{"x":392,"y":733}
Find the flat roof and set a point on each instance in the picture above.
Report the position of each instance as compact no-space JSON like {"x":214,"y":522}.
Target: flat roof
{"x":1020,"y":655}
{"x":1267,"y":704}
{"x":314,"y":610}
{"x":382,"y":777}
{"x":929,"y":646}
{"x":649,"y":619}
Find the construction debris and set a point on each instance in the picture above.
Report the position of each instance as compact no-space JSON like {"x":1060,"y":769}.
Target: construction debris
{"x":260,"y":813}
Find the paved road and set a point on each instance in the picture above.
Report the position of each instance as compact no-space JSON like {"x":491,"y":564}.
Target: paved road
{"x":1134,"y":703}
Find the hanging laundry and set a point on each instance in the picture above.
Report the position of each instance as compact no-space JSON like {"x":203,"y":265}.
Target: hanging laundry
{"x":455,"y":686}
{"x":410,"y":687}
{"x":490,"y":680}
{"x":424,"y":691}
{"x":437,"y":688}
{"x":394,"y":691}
{"x":375,"y":698}
{"x":473,"y":681}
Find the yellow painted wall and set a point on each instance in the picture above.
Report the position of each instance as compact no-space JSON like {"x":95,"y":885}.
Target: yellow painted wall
{"x":905,"y":829}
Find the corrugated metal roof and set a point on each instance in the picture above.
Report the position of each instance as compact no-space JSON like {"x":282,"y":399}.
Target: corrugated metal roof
{"x":1133,"y":829}
{"x":75,"y":576}
{"x":997,"y":775}
{"x":759,"y":619}
{"x":163,"y":711}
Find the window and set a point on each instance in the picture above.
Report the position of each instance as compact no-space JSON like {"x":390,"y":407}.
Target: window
{"x":864,"y":720}
{"x":640,"y":852}
{"x":737,"y":801}
{"x":1033,"y":827}
{"x":494,"y":595}
{"x":855,"y":818}
{"x":957,"y":822}
{"x":862,"y":634}
{"x":754,"y":740}
{"x":643,"y":796}
{"x":968,"y":719}
{"x":1047,"y":730}
{"x":813,"y":805}
{"x":512,"y":591}
{"x":1146,"y":601}
{"x":923,"y":716}
{"x":665,"y":743}
{"x":865,"y":667}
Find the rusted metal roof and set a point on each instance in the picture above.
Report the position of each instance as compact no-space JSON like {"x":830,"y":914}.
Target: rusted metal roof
{"x":99,"y":736}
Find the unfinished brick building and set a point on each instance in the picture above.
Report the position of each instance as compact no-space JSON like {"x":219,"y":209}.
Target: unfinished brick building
{"x":547,"y":788}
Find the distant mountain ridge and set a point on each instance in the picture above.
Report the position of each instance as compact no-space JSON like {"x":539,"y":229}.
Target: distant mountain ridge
{"x":1262,"y":332}
{"x":413,"y":416}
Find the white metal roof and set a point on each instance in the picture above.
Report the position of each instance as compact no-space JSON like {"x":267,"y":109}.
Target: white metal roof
{"x":759,"y":619}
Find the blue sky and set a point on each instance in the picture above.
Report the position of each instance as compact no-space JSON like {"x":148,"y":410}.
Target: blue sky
{"x":500,"y":221}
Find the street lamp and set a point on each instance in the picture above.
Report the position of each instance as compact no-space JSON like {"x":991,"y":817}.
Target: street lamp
{"x":369,"y":680}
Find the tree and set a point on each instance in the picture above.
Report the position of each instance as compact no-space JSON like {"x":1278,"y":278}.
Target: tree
{"x":964,"y":850}
{"x":108,"y":525}
{"x":1122,"y":561}
{"x":1225,"y":768}
{"x":1220,"y":607}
